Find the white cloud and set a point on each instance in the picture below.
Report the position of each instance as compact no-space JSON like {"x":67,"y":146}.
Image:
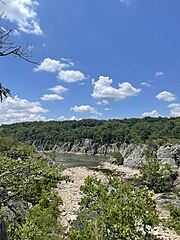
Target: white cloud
{"x":67,"y":60}
{"x":166,"y":96}
{"x":159,"y":74}
{"x":85,"y":109}
{"x":71,"y":76}
{"x":51,"y":65}
{"x":145,"y":84}
{"x":175,"y":111}
{"x":15,"y":109}
{"x":104,"y":91}
{"x":62,"y":118}
{"x":58,"y":89}
{"x":103,"y":102}
{"x":154,"y":114}
{"x":23,"y":13}
{"x":51,"y":97}
{"x":107,"y":109}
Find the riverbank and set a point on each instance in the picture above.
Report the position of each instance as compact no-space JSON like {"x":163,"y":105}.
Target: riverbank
{"x":133,"y":155}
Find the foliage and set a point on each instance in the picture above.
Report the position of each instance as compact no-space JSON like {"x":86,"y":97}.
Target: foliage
{"x":114,"y":210}
{"x":11,"y":147}
{"x":25,"y":179}
{"x":119,"y":158}
{"x":139,"y":131}
{"x":28,"y":178}
{"x":39,"y":222}
{"x":4,"y":92}
{"x":156,"y":176}
{"x":174,"y":220}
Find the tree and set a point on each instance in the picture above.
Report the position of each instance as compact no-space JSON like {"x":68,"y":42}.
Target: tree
{"x":8,"y":47}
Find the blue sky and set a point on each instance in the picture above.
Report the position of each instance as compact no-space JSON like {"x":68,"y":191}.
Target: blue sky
{"x":97,"y":59}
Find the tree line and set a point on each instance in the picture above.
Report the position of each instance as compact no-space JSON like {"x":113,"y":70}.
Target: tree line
{"x":151,"y":131}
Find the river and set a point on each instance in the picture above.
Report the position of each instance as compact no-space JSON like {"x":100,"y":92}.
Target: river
{"x":72,"y":160}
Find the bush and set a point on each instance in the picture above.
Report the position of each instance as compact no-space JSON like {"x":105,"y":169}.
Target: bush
{"x":119,"y":158}
{"x":26,"y":177}
{"x":174,"y":220}
{"x":114,"y":210}
{"x":156,"y":176}
{"x":40,"y":221}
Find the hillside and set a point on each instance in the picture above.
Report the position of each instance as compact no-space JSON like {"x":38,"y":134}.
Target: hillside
{"x":151,"y":131}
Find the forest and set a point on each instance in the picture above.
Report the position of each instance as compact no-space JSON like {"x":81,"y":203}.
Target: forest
{"x":139,"y":131}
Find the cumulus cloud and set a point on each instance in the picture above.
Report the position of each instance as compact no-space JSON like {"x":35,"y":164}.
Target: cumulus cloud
{"x":58,"y":89}
{"x":154,"y":114}
{"x":23,"y":13}
{"x":71,"y":76}
{"x":159,"y":74}
{"x":51,"y":97}
{"x":166,"y":96}
{"x":15,"y":109}
{"x":51,"y":65}
{"x":56,"y":96}
{"x":175,"y":109}
{"x":63,"y":118}
{"x":104,"y":91}
{"x":85,"y":109}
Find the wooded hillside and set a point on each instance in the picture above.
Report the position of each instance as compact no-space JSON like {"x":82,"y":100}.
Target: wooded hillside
{"x":147,"y":130}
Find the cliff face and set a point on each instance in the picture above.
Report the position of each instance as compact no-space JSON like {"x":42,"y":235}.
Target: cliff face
{"x":133,"y":154}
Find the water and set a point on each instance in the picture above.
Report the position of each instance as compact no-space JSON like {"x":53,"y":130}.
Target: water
{"x":80,"y":160}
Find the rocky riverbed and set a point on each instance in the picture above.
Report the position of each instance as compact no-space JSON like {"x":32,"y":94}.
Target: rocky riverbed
{"x":71,"y":195}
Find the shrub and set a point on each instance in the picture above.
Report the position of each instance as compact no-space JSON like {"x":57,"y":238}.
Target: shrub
{"x":173,"y":221}
{"x":114,"y":210}
{"x":39,"y":222}
{"x":156,"y":176}
{"x":119,"y":158}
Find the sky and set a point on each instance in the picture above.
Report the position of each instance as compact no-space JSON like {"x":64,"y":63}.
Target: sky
{"x":99,"y":59}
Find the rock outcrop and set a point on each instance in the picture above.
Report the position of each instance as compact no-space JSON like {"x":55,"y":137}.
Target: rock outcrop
{"x":170,"y":154}
{"x":133,"y":154}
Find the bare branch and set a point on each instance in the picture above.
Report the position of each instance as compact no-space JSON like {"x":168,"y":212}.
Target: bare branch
{"x":8,"y":47}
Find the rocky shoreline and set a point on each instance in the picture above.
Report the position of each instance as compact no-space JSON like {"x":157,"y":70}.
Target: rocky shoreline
{"x":132,"y":154}
{"x":71,"y":195}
